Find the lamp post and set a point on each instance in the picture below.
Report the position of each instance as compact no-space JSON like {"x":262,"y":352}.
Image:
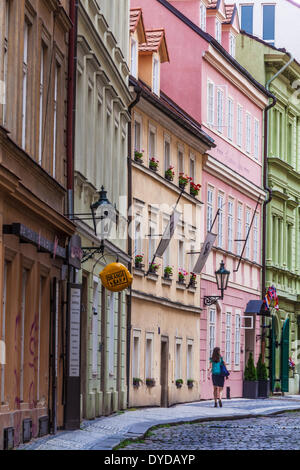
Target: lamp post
{"x":222,"y":278}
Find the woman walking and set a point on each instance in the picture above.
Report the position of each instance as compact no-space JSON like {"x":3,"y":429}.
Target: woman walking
{"x":218,"y":379}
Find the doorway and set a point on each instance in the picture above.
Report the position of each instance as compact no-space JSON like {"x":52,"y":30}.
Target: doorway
{"x":164,"y":361}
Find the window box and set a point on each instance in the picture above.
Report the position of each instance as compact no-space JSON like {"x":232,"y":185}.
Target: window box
{"x":194,"y":189}
{"x":138,"y":157}
{"x":169,"y":174}
{"x":138,"y":262}
{"x":168,"y":272}
{"x":153,"y":268}
{"x":183,"y":180}
{"x":150,"y":382}
{"x":190,"y":383}
{"x":153,"y":164}
{"x":136,"y":382}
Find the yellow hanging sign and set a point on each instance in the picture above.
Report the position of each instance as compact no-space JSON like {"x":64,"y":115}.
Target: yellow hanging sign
{"x":116,"y":277}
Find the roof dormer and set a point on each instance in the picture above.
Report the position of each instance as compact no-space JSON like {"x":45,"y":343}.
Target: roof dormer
{"x":137,"y":36}
{"x":230,"y":29}
{"x":152,"y":53}
{"x":216,"y":15}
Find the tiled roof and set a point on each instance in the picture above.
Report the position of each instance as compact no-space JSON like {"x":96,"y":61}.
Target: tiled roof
{"x":135,"y":14}
{"x":213,"y":4}
{"x":154,"y":38}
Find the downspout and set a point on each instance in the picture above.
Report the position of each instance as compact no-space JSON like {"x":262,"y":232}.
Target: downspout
{"x":71,"y":107}
{"x":138,"y":92}
{"x":266,"y":187}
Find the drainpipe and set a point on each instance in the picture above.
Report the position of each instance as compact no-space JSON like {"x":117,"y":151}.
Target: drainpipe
{"x":265,"y":183}
{"x":138,"y":92}
{"x":71,"y":107}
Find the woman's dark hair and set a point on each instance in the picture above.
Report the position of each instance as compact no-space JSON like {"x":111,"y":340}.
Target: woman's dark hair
{"x":216,"y":355}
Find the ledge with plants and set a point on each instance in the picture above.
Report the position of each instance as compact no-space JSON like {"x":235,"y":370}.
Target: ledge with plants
{"x":153,"y":268}
{"x":190,"y":383}
{"x":194,"y":189}
{"x":138,"y":261}
{"x":169,"y":174}
{"x":181,"y":276}
{"x":150,"y":382}
{"x":193,"y":281}
{"x":168,"y":272}
{"x":136,"y":381}
{"x":183,"y":180}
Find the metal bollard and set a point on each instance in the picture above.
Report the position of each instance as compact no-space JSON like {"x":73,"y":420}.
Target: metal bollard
{"x":228,"y":393}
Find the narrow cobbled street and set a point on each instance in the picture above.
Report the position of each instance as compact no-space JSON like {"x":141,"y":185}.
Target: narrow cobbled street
{"x":280,"y":432}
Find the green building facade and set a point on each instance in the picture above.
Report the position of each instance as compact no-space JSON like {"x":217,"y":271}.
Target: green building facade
{"x":283,"y":228}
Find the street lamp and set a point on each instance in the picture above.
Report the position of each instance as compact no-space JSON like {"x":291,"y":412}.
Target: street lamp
{"x":103,"y":211}
{"x":222,"y":277}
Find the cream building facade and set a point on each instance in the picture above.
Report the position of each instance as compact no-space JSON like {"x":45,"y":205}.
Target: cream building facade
{"x":101,"y":160}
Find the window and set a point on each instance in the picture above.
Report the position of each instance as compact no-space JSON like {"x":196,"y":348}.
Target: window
{"x":237,"y":339}
{"x":209,"y":216}
{"x":136,"y":355}
{"x":248,"y":133}
{"x":149,"y":356}
{"x":166,"y":255}
{"x":228,"y":339}
{"x":151,"y":242}
{"x":192,"y":167}
{"x":220,"y":220}
{"x":167,"y":153}
{"x":218,"y":31}
{"x":24,"y":84}
{"x":178,"y":360}
{"x":95,"y":341}
{"x":210,"y":103}
{"x":239,"y":125}
{"x":180,"y":254}
{"x":239,"y":229}
{"x":203,"y":17}
{"x":220,"y":110}
{"x":189,"y":360}
{"x":255,"y":238}
{"x":230,"y":225}
{"x":111,"y":345}
{"x":256,"y":139}
{"x":137,"y":238}
{"x":247,"y":18}
{"x":212,"y":331}
{"x":232,"y":45}
{"x":230,"y":119}
{"x":269,"y":23}
{"x":155,"y":76}
{"x":56,"y":76}
{"x":5,"y":60}
{"x":134,"y":58}
{"x":248,"y":215}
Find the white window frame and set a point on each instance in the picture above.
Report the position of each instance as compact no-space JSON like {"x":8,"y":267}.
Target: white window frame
{"x":180,"y":161}
{"x":230,"y":119}
{"x":255,"y":238}
{"x":155,"y":82}
{"x":152,"y":152}
{"x":239,"y":125}
{"x":220,"y":110}
{"x":232,"y":45}
{"x":237,"y":340}
{"x":220,"y":219}
{"x":239,"y":228}
{"x":230,"y":229}
{"x":138,"y":120}
{"x":218,"y":31}
{"x":24,"y":83}
{"x":228,"y":339}
{"x":133,"y":57}
{"x":181,"y":257}
{"x":256,"y":139}
{"x":149,"y":360}
{"x":248,"y":133}
{"x":209,"y":207}
{"x":152,"y":224}
{"x":192,"y":166}
{"x":203,"y":16}
{"x":178,"y":359}
{"x":167,"y":158}
{"x":189,"y":359}
{"x":210,"y":102}
{"x":247,"y":226}
{"x":212,"y":330}
{"x":136,"y":334}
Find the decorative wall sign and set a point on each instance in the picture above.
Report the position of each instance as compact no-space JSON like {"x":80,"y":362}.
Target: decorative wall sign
{"x":116,"y":277}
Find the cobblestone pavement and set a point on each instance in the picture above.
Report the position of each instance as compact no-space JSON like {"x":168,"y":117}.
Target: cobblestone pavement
{"x":280,"y":432}
{"x":105,"y":433}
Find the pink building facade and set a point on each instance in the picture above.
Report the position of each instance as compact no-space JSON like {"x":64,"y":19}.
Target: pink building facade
{"x":204,"y":79}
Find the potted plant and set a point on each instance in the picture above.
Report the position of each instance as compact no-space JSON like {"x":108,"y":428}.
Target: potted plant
{"x":183,"y":180}
{"x":138,"y":156}
{"x":193,"y":280}
{"x":179,"y":383}
{"x":153,"y":164}
{"x":194,"y":189}
{"x":153,"y":267}
{"x":150,"y":382}
{"x":277,"y":388}
{"x":250,"y":382}
{"x":262,"y":377}
{"x":190,"y":383}
{"x":169,"y":174}
{"x":168,"y":272}
{"x":138,"y":260}
{"x":136,"y":382}
{"x":181,"y":276}
{"x":292,"y":366}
